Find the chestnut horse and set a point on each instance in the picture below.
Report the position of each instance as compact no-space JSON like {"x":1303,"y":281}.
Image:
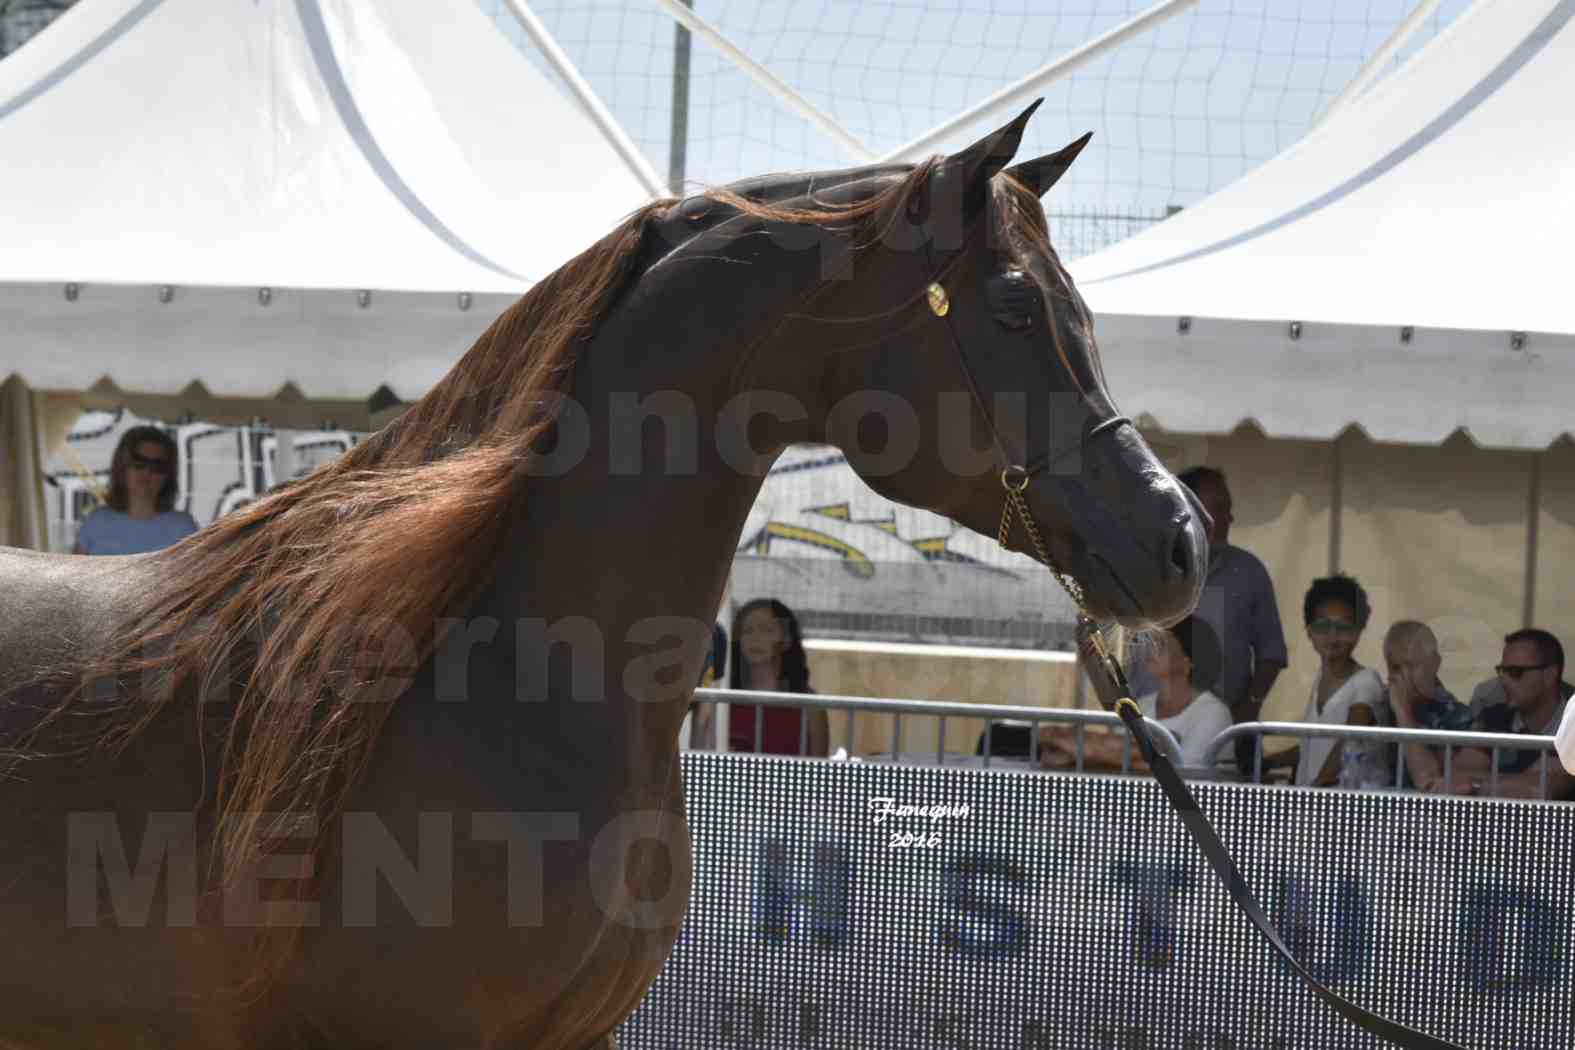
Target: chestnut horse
{"x":388,"y":758}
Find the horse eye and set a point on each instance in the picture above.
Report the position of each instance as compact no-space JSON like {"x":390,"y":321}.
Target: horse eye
{"x":1013,"y":298}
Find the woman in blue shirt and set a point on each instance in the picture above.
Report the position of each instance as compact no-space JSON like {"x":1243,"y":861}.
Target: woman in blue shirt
{"x":140,"y":516}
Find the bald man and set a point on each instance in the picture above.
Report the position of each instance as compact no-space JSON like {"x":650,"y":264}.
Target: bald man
{"x":1420,"y":701}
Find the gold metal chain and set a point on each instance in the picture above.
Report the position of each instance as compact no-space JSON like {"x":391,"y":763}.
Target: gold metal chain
{"x":1014,"y":480}
{"x":1090,"y":640}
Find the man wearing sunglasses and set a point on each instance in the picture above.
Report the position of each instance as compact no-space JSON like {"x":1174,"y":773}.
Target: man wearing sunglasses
{"x":1535,"y":696}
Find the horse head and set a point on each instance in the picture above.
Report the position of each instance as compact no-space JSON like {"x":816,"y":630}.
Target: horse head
{"x":954,"y":361}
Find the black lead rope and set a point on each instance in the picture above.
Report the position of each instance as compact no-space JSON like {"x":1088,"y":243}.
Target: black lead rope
{"x":1111,"y":686}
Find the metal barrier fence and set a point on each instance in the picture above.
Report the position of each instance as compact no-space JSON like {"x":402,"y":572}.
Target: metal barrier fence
{"x":1448,"y":740}
{"x":1034,"y":717}
{"x":942,"y":710}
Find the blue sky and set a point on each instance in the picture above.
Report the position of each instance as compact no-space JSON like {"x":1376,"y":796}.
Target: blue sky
{"x":1177,"y":113}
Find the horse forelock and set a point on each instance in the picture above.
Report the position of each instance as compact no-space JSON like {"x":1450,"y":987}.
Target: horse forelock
{"x":1024,"y":232}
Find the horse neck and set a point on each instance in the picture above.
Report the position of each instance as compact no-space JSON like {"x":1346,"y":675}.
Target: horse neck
{"x":625,"y":540}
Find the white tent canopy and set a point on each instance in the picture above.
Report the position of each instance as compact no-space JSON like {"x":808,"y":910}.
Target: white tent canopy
{"x":1419,"y":240}
{"x":392,"y":173}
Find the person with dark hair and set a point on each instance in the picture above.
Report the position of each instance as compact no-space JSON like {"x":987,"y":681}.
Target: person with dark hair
{"x":1238,"y":602}
{"x":1535,"y":699}
{"x":1335,"y":610}
{"x":141,"y":514}
{"x":1344,"y":590}
{"x":768,"y":654}
{"x":1490,"y":692}
{"x":1183,"y":659}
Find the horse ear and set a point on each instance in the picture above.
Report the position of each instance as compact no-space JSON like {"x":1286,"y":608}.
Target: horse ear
{"x":1042,"y":173}
{"x":978,"y":164}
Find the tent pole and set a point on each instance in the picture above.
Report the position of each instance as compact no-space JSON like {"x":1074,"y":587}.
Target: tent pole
{"x":1528,"y":613}
{"x":23,"y":521}
{"x":1336,"y":502}
{"x":586,"y":97}
{"x":1061,"y":67}
{"x":678,"y":150}
{"x":765,"y":78}
{"x":1374,"y":67}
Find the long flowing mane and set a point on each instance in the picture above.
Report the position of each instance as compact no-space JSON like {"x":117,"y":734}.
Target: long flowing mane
{"x":306,"y":613}
{"x":310,"y":608}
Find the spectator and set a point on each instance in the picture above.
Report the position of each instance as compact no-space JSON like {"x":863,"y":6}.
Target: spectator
{"x":1420,"y":701}
{"x":140,"y":516}
{"x":768,"y":654}
{"x":1336,"y":611}
{"x":1238,"y":603}
{"x":1490,"y":692}
{"x":1183,"y":659}
{"x":1532,"y":671}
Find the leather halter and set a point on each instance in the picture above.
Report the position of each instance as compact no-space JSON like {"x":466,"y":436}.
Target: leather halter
{"x":1015,"y":473}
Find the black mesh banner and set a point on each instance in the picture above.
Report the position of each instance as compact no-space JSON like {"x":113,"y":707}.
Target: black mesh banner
{"x":859,"y":905}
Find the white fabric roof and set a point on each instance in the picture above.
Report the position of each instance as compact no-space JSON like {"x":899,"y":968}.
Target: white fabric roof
{"x":313,"y":147}
{"x":1441,"y":201}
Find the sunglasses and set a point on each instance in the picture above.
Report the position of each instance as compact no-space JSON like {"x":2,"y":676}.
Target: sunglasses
{"x":1514,"y":671}
{"x":1333,"y":627}
{"x":155,"y":466}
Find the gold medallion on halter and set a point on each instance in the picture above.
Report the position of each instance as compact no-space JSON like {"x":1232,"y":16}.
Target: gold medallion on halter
{"x":939,"y":304}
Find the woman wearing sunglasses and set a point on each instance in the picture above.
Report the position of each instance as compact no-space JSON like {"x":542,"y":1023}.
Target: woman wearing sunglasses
{"x":141,"y":514}
{"x":1345,"y":693}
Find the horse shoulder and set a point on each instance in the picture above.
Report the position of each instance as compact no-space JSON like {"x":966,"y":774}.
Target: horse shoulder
{"x":56,"y":607}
